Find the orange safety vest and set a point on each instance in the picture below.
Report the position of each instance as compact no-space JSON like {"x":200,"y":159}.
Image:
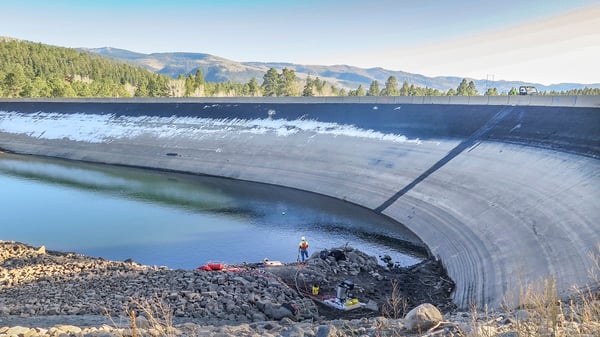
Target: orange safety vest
{"x":303,"y":244}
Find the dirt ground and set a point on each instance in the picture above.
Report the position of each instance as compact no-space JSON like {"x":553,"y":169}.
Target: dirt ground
{"x":395,"y":290}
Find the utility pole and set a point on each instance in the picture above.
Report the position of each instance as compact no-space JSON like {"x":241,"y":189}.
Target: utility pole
{"x":488,"y":78}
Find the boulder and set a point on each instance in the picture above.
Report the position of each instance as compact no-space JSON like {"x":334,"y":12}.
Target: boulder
{"x":326,"y":331}
{"x":277,"y":312}
{"x":423,"y":317}
{"x":17,"y":331}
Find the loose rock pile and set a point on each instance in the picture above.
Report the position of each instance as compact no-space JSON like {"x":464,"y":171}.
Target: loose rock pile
{"x":44,"y":293}
{"x":37,"y":283}
{"x":400,"y":288}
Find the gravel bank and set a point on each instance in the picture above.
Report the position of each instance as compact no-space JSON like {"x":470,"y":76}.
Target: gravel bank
{"x":40,"y":289}
{"x":45,"y":293}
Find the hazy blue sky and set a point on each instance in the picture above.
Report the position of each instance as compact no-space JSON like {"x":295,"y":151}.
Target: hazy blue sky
{"x":543,"y":41}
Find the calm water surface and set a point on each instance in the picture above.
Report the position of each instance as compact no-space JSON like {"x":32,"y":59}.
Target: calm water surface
{"x":177,"y":220}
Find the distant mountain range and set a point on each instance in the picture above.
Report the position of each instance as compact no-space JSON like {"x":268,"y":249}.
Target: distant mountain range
{"x":218,"y":69}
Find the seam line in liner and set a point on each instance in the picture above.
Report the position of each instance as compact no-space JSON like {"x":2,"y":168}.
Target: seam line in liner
{"x":458,"y":149}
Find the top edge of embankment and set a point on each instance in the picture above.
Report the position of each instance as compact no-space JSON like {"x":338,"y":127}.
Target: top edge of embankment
{"x":525,"y":100}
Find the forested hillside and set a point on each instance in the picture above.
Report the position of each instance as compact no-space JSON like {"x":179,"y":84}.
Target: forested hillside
{"x":36,"y":70}
{"x":29,"y":69}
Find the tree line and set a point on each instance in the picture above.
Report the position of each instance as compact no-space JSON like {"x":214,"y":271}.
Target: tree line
{"x":30,"y":69}
{"x":36,"y":70}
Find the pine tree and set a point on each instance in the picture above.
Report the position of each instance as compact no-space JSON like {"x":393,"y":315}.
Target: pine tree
{"x":462,"y":89}
{"x":14,"y":81}
{"x":360,"y":91}
{"x":391,"y":87}
{"x":471,"y":89}
{"x":142,"y":90}
{"x":39,"y":88}
{"x":190,"y":86}
{"x":412,"y":90}
{"x":373,"y":89}
{"x":81,"y":89}
{"x":253,"y":87}
{"x":270,"y":83}
{"x":308,"y":87}
{"x":335,"y":91}
{"x":287,"y":85}
{"x":60,"y":88}
{"x":404,"y":91}
{"x":198,"y":79}
{"x":319,"y":85}
{"x":491,"y":92}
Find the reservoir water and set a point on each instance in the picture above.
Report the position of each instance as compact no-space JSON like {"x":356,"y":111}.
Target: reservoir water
{"x":177,"y":220}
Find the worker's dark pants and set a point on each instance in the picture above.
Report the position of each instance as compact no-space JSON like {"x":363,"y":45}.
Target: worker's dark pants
{"x":304,"y":254}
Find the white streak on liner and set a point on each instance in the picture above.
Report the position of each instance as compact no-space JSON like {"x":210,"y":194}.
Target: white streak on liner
{"x":99,"y":128}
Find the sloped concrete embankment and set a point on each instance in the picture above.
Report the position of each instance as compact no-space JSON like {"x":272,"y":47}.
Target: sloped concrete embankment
{"x":504,"y":194}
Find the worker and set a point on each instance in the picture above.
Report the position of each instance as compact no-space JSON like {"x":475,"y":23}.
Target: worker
{"x":303,"y":249}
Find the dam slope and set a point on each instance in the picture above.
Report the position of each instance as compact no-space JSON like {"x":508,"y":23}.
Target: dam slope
{"x":503,"y":190}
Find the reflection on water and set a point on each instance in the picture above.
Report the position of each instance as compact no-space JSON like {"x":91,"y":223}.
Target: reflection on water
{"x":177,"y":220}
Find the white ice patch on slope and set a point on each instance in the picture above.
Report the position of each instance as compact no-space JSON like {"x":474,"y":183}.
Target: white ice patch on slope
{"x":102,"y":128}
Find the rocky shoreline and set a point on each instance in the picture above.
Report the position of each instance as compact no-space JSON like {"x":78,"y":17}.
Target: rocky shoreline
{"x":45,"y":293}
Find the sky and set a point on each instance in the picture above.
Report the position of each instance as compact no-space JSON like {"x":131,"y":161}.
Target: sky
{"x":537,"y":41}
